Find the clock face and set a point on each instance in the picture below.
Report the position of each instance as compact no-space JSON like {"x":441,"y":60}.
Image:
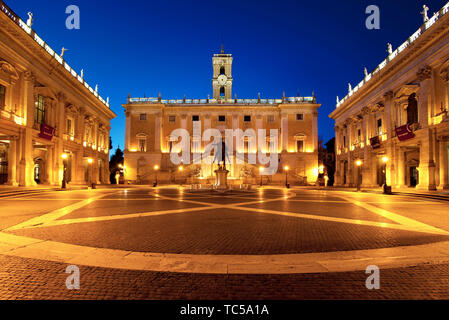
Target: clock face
{"x":222,"y":79}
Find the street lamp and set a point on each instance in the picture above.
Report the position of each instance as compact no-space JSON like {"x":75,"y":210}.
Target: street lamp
{"x":358,"y":163}
{"x":261,"y":169}
{"x":64,"y":157}
{"x":286,"y":168}
{"x":387,"y":190}
{"x":156,"y":168}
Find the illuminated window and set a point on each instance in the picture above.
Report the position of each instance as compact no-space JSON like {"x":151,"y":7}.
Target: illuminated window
{"x":2,"y":96}
{"x":359,"y":135}
{"x":221,"y":118}
{"x":247,"y":118}
{"x":379,"y":127}
{"x":40,"y":110}
{"x":143,"y":116}
{"x":70,"y":127}
{"x":172,"y":119}
{"x":299,"y":116}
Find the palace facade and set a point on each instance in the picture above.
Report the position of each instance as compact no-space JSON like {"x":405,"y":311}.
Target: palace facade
{"x":393,"y":128}
{"x":51,"y":121}
{"x":150,"y":123}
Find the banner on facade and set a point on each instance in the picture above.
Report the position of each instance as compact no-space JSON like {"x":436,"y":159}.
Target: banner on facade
{"x":47,"y":132}
{"x":375,"y":142}
{"x":404,"y":132}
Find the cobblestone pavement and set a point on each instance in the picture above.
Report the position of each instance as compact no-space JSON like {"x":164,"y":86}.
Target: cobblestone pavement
{"x":36,"y":279}
{"x":264,"y":222}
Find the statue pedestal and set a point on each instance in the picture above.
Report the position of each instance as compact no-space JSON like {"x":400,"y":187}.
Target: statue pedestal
{"x":221,"y":180}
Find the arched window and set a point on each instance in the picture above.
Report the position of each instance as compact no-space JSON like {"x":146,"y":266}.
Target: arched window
{"x":412,"y":109}
{"x":222,"y":92}
{"x":222,"y":70}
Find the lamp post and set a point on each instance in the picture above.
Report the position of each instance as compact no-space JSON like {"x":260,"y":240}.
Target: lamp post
{"x":358,"y":164}
{"x":386,"y":188}
{"x":64,"y":157}
{"x":156,"y":169}
{"x":90,"y":161}
{"x":261,"y":169}
{"x":286,"y":168}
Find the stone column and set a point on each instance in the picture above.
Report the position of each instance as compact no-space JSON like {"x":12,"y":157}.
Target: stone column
{"x":284,"y":130}
{"x":157,"y":132}
{"x":443,"y":162}
{"x":426,"y":161}
{"x":401,"y":168}
{"x":127,"y":130}
{"x":12,"y":162}
{"x":424,"y":96}
{"x":315,"y":131}
{"x":49,"y":166}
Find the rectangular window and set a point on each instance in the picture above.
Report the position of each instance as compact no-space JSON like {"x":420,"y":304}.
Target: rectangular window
{"x":359,"y":135}
{"x":2,"y":96}
{"x":195,"y":118}
{"x":143,"y":116}
{"x":299,"y":146}
{"x":379,"y":127}
{"x":40,"y":110}
{"x":270,"y":119}
{"x":172,"y":119}
{"x":299,"y":117}
{"x":70,"y":127}
{"x":344,"y":141}
{"x":221,"y":118}
{"x":247,"y":118}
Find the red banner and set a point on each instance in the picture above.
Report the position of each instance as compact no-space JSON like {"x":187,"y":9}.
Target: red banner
{"x":404,"y":132}
{"x":47,"y":132}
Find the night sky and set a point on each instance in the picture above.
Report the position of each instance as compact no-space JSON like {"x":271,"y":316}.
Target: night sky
{"x":146,"y":47}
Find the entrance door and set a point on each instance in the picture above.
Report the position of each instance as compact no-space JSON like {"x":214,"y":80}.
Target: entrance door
{"x":37,"y":173}
{"x":413,"y":177}
{"x":3,"y":172}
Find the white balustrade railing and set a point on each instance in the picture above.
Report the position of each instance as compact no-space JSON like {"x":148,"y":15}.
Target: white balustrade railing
{"x":401,"y":48}
{"x":9,"y":13}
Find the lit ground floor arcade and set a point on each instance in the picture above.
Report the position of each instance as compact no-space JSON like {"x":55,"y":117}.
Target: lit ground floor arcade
{"x":421,"y":163}
{"x":26,"y":159}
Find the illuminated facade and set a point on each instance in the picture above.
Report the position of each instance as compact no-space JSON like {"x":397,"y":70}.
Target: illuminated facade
{"x":150,"y":123}
{"x":51,"y":120}
{"x":395,"y":123}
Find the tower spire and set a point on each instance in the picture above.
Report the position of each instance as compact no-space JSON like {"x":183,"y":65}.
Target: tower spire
{"x":222,"y":51}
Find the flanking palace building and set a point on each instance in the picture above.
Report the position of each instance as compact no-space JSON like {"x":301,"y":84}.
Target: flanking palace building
{"x":51,"y":121}
{"x":150,"y":123}
{"x":393,"y":128}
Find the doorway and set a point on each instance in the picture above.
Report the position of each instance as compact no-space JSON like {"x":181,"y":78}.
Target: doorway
{"x":414,"y":177}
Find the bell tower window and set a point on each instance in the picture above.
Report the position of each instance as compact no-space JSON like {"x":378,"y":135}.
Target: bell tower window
{"x":222,"y":92}
{"x":222,"y":70}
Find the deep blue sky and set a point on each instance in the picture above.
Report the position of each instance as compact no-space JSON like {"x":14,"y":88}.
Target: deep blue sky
{"x":143,"y":47}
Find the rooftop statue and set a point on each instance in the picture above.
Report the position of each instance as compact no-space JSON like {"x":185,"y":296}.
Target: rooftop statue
{"x":30,"y":19}
{"x":390,"y":49}
{"x":425,"y":13}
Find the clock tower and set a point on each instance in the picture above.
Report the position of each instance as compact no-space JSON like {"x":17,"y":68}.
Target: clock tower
{"x":222,"y":78}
